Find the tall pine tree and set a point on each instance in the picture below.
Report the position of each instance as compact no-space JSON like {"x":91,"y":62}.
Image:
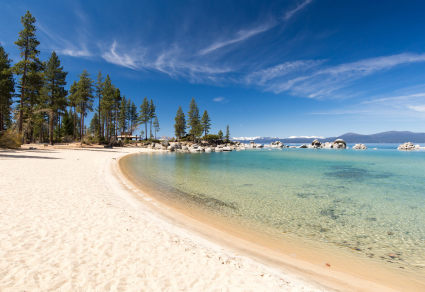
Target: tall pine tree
{"x":206,"y":123}
{"x":194,"y":120}
{"x":28,"y":67}
{"x":7,"y":87}
{"x":227,"y":134}
{"x":55,"y":93}
{"x":156,"y":125}
{"x":152,"y":115}
{"x":85,"y":99}
{"x":145,"y":115}
{"x":98,"y":92}
{"x":180,"y":124}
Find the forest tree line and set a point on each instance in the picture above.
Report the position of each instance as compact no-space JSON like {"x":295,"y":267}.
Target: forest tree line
{"x":35,"y":104}
{"x":196,"y":127}
{"x":45,"y":111}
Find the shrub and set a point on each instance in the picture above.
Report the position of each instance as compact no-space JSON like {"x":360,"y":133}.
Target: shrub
{"x":10,"y":139}
{"x":210,"y":138}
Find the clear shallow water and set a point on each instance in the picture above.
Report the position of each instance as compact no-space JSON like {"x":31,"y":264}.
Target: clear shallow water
{"x":371,"y":203}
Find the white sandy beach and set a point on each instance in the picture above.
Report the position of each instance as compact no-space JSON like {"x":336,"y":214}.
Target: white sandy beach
{"x":67,"y":222}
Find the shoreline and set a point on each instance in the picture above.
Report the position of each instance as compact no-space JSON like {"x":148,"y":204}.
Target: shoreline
{"x":346,"y":271}
{"x":67,"y":223}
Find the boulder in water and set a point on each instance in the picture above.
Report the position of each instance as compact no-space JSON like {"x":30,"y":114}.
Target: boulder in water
{"x":339,"y":144}
{"x":360,"y":147}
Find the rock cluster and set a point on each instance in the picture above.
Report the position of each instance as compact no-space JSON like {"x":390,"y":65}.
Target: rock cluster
{"x":360,"y":147}
{"x":276,"y":144}
{"x":254,"y":145}
{"x":408,"y":146}
{"x":190,"y":147}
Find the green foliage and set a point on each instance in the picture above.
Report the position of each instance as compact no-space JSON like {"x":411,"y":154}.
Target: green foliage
{"x":156,"y":125}
{"x":194,"y":120}
{"x":54,"y":91}
{"x":206,"y":123}
{"x":10,"y":140}
{"x":152,"y":115}
{"x":7,"y":87}
{"x":211,"y":138}
{"x":133,"y":117}
{"x":84,"y":98}
{"x":123,"y":114}
{"x":180,"y":124}
{"x":29,"y":68}
{"x":94,"y":125}
{"x":145,"y":114}
{"x":227,"y":134}
{"x":220,"y":135}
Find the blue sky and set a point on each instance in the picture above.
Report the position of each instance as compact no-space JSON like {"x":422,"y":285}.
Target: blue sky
{"x":266,"y":68}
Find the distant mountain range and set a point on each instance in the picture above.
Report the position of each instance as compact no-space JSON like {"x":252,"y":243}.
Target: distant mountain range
{"x":384,"y":137}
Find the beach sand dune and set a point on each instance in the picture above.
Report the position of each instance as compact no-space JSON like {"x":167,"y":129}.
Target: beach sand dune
{"x":68,"y":223}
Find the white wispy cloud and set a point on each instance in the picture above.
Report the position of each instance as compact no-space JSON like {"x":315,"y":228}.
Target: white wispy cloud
{"x":121,"y":59}
{"x":262,"y":77}
{"x":289,"y":14}
{"x":240,"y":36}
{"x":63,"y":45}
{"x":417,"y":108}
{"x":325,"y":81}
{"x":245,"y":34}
{"x":219,"y":99}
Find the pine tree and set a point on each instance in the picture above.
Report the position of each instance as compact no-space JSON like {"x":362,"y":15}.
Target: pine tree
{"x":7,"y":88}
{"x":73,"y":102}
{"x":107,"y":102}
{"x":206,"y":123}
{"x":98,"y":92}
{"x":220,"y":135}
{"x":156,"y":125}
{"x":29,"y":66}
{"x":145,"y":115}
{"x":180,"y":124}
{"x":133,"y":117}
{"x":85,"y":99}
{"x":117,"y":103}
{"x":194,"y":120}
{"x":227,"y":134}
{"x":67,"y":124}
{"x":94,"y":124}
{"x":123,"y":115}
{"x":55,"y":93}
{"x":152,"y":115}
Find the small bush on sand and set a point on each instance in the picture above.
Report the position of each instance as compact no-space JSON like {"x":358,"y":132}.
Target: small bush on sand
{"x":10,"y":140}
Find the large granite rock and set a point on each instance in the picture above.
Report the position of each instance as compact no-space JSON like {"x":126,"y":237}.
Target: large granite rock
{"x":359,"y":147}
{"x":339,"y":144}
{"x":316,"y":143}
{"x":408,"y":146}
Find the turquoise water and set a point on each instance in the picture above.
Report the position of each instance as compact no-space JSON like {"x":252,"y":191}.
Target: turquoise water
{"x":370,"y":203}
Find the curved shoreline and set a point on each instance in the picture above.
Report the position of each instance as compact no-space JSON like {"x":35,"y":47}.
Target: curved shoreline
{"x":343,"y":273}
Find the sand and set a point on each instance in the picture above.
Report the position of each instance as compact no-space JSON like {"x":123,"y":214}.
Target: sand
{"x":68,"y":222}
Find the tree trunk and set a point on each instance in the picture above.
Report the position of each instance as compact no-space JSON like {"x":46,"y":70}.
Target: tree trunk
{"x":75,"y":124}
{"x":82,"y":124}
{"x":98,"y":111}
{"x":146,"y":130}
{"x":51,"y":127}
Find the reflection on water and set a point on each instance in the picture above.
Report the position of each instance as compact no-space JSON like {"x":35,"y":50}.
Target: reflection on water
{"x":369,"y":202}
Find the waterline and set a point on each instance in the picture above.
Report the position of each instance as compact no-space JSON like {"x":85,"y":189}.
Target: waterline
{"x":369,"y":204}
